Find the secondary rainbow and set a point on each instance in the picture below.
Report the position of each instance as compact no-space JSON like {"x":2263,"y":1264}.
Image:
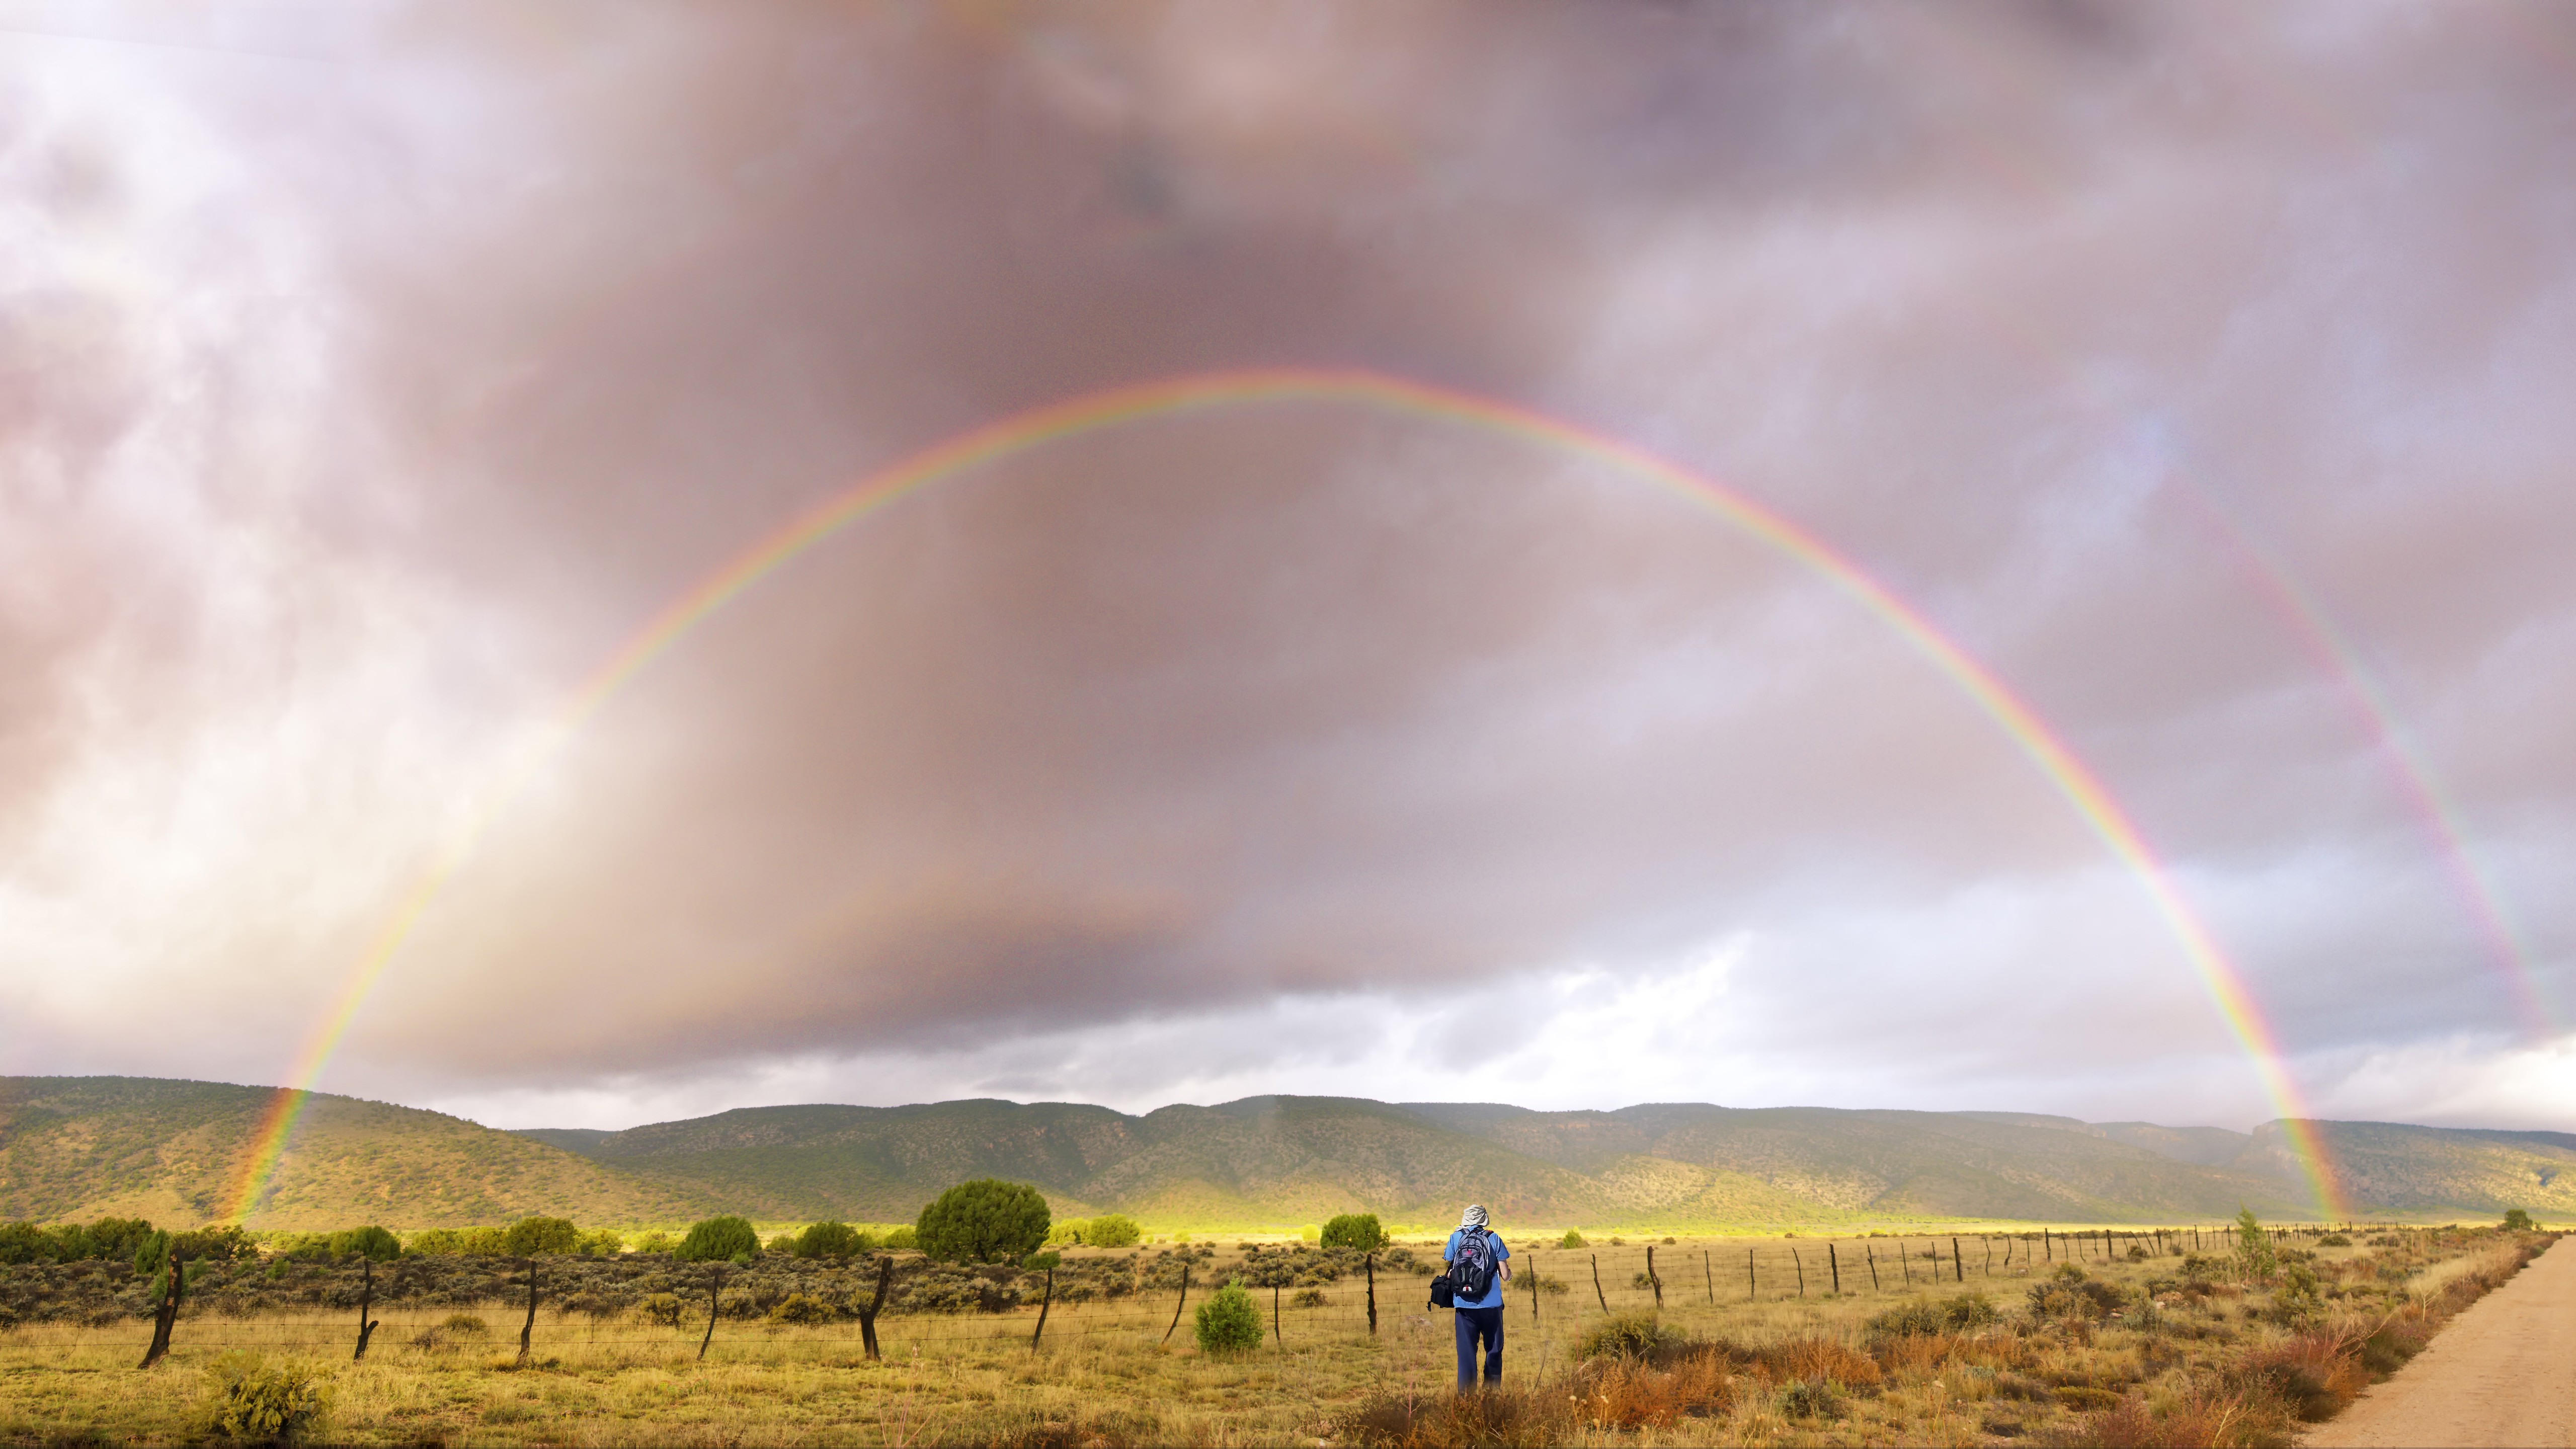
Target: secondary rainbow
{"x":1026,"y":431}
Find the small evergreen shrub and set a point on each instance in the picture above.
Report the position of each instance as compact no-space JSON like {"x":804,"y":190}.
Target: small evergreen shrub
{"x":1229,"y":1321}
{"x":829,"y":1240}
{"x":602,"y":1243}
{"x":1360,"y":1232}
{"x":367,"y":1242}
{"x":655,"y":1241}
{"x":984,"y":1221}
{"x":1572,"y":1239}
{"x":252,"y":1403}
{"x":539,"y":1236}
{"x":1810,"y":1399}
{"x":465,"y":1324}
{"x":726,"y":1239}
{"x":902,"y":1240}
{"x":1112,"y":1230}
{"x":1310,"y":1298}
{"x":2517,"y":1221}
{"x":2334,"y":1240}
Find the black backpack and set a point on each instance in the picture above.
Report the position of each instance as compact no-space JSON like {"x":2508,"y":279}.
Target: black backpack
{"x":1471,"y":1271}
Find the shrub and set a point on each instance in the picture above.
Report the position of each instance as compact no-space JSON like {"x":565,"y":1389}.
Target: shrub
{"x":2334,"y":1240}
{"x":984,"y":1221}
{"x":726,"y":1239}
{"x":367,"y":1242}
{"x":1229,"y":1321}
{"x":1310,"y":1298}
{"x":2517,"y":1221}
{"x":1629,"y":1336}
{"x":1810,"y":1399}
{"x":656,"y":1241}
{"x":1067,"y":1230}
{"x":902,"y":1240}
{"x":799,"y":1308}
{"x":219,"y":1244}
{"x":2254,"y":1260}
{"x":1957,"y":1315}
{"x":664,"y":1309}
{"x":602,"y":1243}
{"x":1113,"y":1230}
{"x":2085,"y":1399}
{"x":829,"y":1240}
{"x":465,"y":1323}
{"x":435,"y":1242}
{"x":1572,"y":1239}
{"x":534,"y":1237}
{"x":1668,"y":1242}
{"x":1358,"y":1231}
{"x":255,"y":1404}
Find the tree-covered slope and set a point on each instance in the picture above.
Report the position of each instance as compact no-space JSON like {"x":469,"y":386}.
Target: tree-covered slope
{"x":80,"y":1147}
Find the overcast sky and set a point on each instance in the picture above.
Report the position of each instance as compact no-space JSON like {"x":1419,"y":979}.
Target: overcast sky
{"x":369,"y":375}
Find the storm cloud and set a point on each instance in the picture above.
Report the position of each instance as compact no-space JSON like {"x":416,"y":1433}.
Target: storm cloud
{"x":368,"y":378}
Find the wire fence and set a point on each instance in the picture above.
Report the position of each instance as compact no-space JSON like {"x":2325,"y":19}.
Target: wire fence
{"x":1552,"y":1286}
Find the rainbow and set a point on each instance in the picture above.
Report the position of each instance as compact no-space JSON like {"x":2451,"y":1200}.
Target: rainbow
{"x":1036,"y":428}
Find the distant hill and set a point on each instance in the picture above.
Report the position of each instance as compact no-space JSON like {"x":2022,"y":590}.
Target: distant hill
{"x":79,"y":1147}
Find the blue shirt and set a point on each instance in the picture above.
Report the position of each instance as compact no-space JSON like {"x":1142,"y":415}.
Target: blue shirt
{"x":1494,"y":1295}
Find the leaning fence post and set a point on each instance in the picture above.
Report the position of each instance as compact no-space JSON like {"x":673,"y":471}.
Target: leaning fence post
{"x":1871,"y":1252}
{"x":1904,"y":1264}
{"x":1596,"y":1284}
{"x":530,"y":1327}
{"x":366,"y":1297}
{"x":1801,"y":1265}
{"x":1958,"y":1274}
{"x":867,"y":1315}
{"x":168,"y":1313}
{"x":1048,"y":1302}
{"x":1835,"y":1262}
{"x":1535,"y":1275}
{"x":1651,"y":1280}
{"x":1709,"y":1274}
{"x":1274,"y":1315}
{"x":715,"y":1289}
{"x":1178,"y":1304}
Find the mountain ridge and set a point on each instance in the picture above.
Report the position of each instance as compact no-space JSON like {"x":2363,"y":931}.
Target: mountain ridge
{"x":170,"y":1150}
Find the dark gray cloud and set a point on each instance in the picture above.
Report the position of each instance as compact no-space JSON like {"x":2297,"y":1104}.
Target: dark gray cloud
{"x":2111,"y":338}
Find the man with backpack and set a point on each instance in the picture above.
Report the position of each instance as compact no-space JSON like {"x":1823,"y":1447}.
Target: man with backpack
{"x":1479,"y":1266}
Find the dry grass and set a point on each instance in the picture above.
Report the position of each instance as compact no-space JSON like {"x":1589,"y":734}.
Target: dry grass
{"x":2184,"y":1364}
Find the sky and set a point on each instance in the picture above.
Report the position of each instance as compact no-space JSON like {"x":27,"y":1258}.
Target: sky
{"x":372,"y":374}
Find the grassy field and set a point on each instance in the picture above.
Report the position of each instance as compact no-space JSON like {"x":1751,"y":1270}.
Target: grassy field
{"x":2145,"y":1346}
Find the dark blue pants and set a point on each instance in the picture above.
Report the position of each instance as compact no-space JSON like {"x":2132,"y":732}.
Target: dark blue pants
{"x":1485,"y":1324}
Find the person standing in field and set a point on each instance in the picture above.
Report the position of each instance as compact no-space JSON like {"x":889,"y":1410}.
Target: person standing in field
{"x":1479,"y":1266}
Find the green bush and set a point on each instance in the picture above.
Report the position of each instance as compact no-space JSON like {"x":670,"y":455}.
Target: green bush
{"x":830,"y":1240}
{"x":799,"y":1308}
{"x":1923,"y":1316}
{"x":1628,"y":1335}
{"x":664,"y":1309}
{"x":1112,"y":1230}
{"x":1810,"y":1399}
{"x":486,"y":1242}
{"x":2334,"y":1240}
{"x":1572,"y":1239}
{"x":464,"y":1323}
{"x":655,"y":1241}
{"x":367,"y":1242}
{"x":252,"y":1403}
{"x":2517,"y":1221}
{"x":726,"y":1239}
{"x":901,"y":1240}
{"x":2254,"y":1259}
{"x":1357,"y":1231}
{"x":1067,"y":1230}
{"x":602,"y":1243}
{"x":984,"y":1221}
{"x":534,"y":1237}
{"x":1229,"y":1321}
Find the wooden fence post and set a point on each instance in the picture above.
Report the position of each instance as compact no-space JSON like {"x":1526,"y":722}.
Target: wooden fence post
{"x":1990,"y":1255}
{"x":715,"y":1288}
{"x":167,"y":1315}
{"x":529,"y":1328}
{"x":1596,"y":1284}
{"x":1368,"y":1264}
{"x":1182,"y":1301}
{"x":1871,"y":1252}
{"x":1535,"y":1275}
{"x":1904,"y":1264}
{"x":1048,"y":1302}
{"x":1958,"y":1274}
{"x":1836,"y":1263}
{"x":1653,"y":1281}
{"x":1801,"y":1265}
{"x":1708,"y":1274}
{"x":1281,"y":1338}
{"x":867,"y":1315}
{"x":366,"y":1297}
{"x":1748,"y":1275}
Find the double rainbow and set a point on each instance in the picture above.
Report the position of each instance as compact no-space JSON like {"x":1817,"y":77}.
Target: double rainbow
{"x":1036,"y":428}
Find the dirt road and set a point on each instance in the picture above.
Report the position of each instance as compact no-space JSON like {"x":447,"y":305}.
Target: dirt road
{"x":2502,"y":1373}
